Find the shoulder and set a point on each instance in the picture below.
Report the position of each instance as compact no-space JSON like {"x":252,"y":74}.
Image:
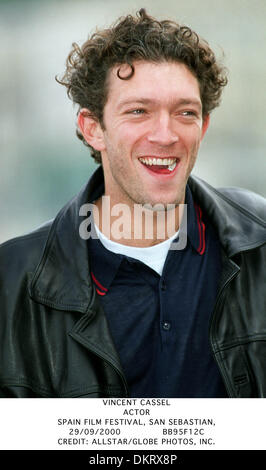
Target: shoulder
{"x":23,"y":253}
{"x":247,"y":200}
{"x":230,"y":200}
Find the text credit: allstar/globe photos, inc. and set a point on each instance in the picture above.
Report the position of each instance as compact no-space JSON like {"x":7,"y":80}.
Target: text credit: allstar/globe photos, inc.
{"x":136,"y":422}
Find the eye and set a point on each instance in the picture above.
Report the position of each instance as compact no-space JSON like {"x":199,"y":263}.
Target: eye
{"x":189,"y":113}
{"x":137,"y":112}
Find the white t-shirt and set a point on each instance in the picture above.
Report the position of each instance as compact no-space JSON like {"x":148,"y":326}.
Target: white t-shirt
{"x":154,"y":256}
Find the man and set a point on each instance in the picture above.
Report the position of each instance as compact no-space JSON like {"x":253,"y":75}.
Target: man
{"x":90,"y":310}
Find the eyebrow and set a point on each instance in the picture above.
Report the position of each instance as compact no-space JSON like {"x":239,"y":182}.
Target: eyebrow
{"x":180,"y":102}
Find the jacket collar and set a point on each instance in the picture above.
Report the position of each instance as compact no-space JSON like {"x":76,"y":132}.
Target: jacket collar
{"x":233,"y":214}
{"x":62,"y":278}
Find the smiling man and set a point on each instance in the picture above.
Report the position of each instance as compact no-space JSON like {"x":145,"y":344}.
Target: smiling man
{"x":156,"y":115}
{"x":150,"y":141}
{"x":105,"y":312}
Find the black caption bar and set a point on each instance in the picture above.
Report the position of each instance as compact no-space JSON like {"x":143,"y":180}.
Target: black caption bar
{"x":132,"y":458}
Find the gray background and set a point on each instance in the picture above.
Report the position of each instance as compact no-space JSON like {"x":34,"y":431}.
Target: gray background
{"x":43,"y":164}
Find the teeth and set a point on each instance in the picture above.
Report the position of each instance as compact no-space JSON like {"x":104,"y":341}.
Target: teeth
{"x":172,"y":167}
{"x":170,"y":162}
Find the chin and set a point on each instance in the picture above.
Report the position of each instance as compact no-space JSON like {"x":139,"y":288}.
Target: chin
{"x":162,"y":204}
{"x":175,"y":200}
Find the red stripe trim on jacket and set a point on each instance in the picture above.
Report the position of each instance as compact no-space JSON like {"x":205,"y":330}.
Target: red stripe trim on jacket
{"x":201,"y":227}
{"x":99,"y":292}
{"x":99,"y":285}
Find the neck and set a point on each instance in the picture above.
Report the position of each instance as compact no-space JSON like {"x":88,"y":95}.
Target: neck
{"x":136,"y":226}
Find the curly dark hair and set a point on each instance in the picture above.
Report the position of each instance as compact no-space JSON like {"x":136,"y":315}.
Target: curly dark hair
{"x":133,"y":38}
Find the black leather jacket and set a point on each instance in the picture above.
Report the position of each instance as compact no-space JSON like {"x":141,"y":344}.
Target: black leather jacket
{"x":54,"y":338}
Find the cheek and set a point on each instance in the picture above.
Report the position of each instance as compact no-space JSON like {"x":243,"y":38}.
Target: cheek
{"x":116,"y":155}
{"x":132,"y":132}
{"x":132,"y":136}
{"x":122,"y":136}
{"x":192,"y":137}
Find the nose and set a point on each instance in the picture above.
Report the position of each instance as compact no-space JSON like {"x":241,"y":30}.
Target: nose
{"x":162,"y":132}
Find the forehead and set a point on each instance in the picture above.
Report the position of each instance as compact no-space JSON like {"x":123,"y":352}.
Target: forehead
{"x":164,"y":80}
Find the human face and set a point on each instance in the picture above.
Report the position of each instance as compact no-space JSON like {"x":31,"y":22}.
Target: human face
{"x":156,"y":114}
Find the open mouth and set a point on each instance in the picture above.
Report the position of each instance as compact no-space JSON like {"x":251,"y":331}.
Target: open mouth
{"x":160,"y":165}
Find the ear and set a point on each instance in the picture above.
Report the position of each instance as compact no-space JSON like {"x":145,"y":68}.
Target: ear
{"x":91,"y":129}
{"x":205,"y":125}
